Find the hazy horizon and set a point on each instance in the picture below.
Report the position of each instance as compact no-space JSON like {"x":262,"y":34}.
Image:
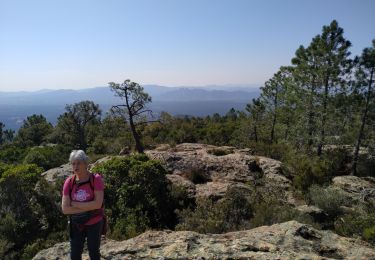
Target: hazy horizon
{"x":15,"y":107}
{"x":208,"y":87}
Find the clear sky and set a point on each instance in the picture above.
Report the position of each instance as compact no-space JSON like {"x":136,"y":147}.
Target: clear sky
{"x":87,"y":43}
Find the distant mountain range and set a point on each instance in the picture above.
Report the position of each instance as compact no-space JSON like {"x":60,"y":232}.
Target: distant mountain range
{"x":196,"y":101}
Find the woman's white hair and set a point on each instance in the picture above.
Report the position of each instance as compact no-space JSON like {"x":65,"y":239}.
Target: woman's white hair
{"x":78,"y":155}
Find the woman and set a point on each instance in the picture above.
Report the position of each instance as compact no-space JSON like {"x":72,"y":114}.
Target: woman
{"x":82,"y":200}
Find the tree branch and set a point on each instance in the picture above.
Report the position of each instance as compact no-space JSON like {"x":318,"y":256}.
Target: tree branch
{"x":150,"y":121}
{"x":138,"y":113}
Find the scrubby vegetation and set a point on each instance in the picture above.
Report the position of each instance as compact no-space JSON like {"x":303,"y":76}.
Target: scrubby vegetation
{"x":137,"y":195}
{"x":29,"y":212}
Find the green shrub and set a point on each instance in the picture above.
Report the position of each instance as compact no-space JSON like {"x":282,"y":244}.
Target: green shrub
{"x":180,"y":197}
{"x":12,"y":154}
{"x":329,"y":199}
{"x":366,"y":165}
{"x":233,"y":212}
{"x":340,"y":159}
{"x":97,"y":147}
{"x":4,"y":167}
{"x":36,"y":157}
{"x":6,"y":252}
{"x":138,"y":195}
{"x":47,"y":157}
{"x":306,"y":170}
{"x":369,"y":234}
{"x":28,"y":208}
{"x":271,"y":211}
{"x":205,"y":218}
{"x":360,"y":222}
{"x":131,"y":225}
{"x":26,"y":174}
{"x":277,"y":151}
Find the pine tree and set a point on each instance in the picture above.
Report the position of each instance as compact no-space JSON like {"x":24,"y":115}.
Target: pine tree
{"x":331,"y":50}
{"x":135,"y":101}
{"x":256,"y":110}
{"x":306,"y":76}
{"x":320,"y":70}
{"x":365,"y":78}
{"x":274,"y":96}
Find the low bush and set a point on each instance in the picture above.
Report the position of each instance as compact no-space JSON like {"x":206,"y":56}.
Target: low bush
{"x":272,"y":212}
{"x":47,"y":157}
{"x":28,"y":211}
{"x":359,"y":223}
{"x":329,"y":199}
{"x":306,"y":170}
{"x":138,"y":195}
{"x":233,"y":212}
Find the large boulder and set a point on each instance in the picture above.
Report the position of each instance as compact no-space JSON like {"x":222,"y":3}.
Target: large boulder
{"x":104,"y":160}
{"x":219,"y":168}
{"x":289,"y":240}
{"x":359,"y":189}
{"x":58,"y":173}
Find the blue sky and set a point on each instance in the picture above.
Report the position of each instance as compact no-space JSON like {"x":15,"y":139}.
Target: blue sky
{"x":87,"y":43}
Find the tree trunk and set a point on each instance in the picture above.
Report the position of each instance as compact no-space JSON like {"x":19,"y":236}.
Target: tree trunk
{"x":274,"y":119}
{"x":83,"y":142}
{"x":286,"y":134}
{"x":137,"y":138}
{"x":363,"y":123}
{"x":324,"y":117}
{"x":311,"y":115}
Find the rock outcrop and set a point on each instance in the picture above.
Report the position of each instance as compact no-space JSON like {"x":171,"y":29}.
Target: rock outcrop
{"x":219,"y":168}
{"x":289,"y":240}
{"x":361,"y":190}
{"x":209,"y":171}
{"x":58,"y":173}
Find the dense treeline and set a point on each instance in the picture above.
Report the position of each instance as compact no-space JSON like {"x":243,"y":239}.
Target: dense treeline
{"x":315,"y":115}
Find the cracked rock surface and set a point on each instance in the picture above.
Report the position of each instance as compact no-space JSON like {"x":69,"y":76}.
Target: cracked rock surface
{"x":222,"y":167}
{"x":288,"y":240}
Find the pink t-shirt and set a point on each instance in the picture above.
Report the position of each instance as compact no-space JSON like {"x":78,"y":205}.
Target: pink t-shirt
{"x":85,"y":193}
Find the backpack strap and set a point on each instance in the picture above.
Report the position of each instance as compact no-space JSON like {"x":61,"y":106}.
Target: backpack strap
{"x":92,"y":181}
{"x":72,"y":180}
{"x":92,"y":184}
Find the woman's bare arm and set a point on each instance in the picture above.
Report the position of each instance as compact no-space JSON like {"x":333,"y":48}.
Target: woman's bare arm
{"x":67,"y":208}
{"x":90,"y":205}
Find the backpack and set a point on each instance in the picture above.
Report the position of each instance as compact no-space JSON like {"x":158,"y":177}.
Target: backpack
{"x":72,"y":181}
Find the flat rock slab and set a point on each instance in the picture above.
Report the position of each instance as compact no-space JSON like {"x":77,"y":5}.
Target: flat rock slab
{"x":288,"y":240}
